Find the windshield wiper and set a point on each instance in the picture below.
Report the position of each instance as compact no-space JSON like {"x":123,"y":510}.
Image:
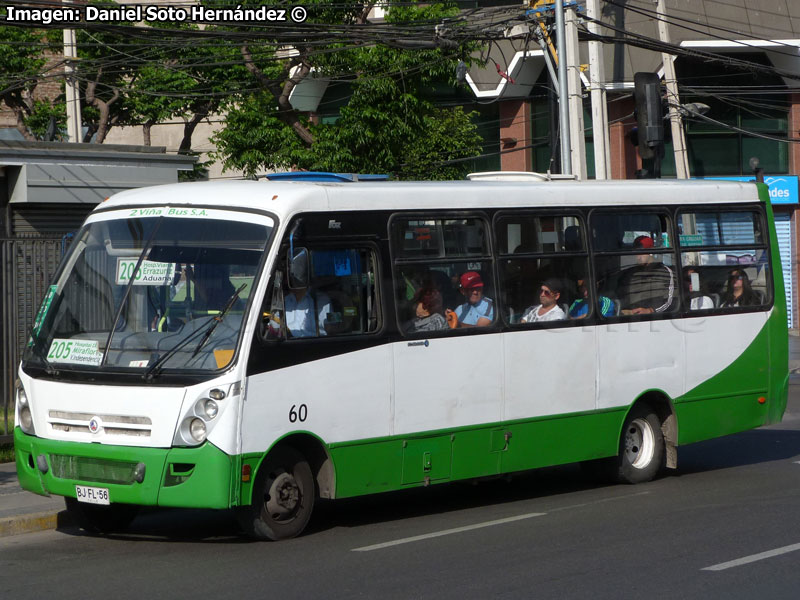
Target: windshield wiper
{"x":205,"y":330}
{"x":149,"y":374}
{"x":128,"y":288}
{"x":218,"y":318}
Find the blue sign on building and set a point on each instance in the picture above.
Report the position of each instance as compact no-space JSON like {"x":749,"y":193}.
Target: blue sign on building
{"x":782,"y":188}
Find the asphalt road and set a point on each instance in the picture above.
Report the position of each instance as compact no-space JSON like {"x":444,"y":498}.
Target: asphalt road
{"x":725,"y":525}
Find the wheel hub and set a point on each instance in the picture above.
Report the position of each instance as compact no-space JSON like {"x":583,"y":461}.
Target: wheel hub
{"x":639,"y":443}
{"x":284,"y":497}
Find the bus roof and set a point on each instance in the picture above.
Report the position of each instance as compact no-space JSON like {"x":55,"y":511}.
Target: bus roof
{"x":286,"y":198}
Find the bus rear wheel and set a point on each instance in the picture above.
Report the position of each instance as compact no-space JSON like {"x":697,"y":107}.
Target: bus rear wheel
{"x":95,"y":518}
{"x":283,"y":497}
{"x":641,"y":449}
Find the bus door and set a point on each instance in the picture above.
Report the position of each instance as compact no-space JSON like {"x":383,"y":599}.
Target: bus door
{"x":448,"y":366}
{"x":550,"y":372}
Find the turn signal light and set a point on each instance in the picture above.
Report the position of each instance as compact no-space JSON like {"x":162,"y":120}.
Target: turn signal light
{"x":247,"y":470}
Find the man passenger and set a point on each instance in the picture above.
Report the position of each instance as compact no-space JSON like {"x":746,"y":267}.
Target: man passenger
{"x":580,"y":308}
{"x":477,"y":311}
{"x":649,"y":286}
{"x":548,"y":308}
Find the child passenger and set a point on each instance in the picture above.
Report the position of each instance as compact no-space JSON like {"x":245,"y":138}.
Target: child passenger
{"x":428,"y":311}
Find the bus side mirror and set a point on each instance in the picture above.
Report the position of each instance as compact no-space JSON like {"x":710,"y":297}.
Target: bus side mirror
{"x":298,"y":269}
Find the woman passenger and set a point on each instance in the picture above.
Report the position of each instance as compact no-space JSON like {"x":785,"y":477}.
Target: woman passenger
{"x":739,"y":292}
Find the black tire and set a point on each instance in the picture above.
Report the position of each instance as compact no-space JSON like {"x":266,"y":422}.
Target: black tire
{"x":641,"y":447}
{"x":95,"y":518}
{"x":283,"y":497}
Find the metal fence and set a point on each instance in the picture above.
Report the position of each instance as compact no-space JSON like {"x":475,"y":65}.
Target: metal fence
{"x":26,"y":267}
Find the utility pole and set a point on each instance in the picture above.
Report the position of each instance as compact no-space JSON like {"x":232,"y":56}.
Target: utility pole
{"x":597,"y":78}
{"x":74,"y":129}
{"x":576,"y":129}
{"x":563,"y":93}
{"x":678,"y":138}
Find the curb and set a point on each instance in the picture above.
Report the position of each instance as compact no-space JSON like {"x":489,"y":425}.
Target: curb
{"x":34,"y":522}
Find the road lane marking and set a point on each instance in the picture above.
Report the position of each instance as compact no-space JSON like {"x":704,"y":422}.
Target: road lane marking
{"x":752,"y":558}
{"x":602,"y":500}
{"x":435,"y":534}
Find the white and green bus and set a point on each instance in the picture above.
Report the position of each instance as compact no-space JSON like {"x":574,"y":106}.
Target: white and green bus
{"x":258,"y":345}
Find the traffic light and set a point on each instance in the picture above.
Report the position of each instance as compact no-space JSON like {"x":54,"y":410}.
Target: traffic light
{"x":649,"y":114}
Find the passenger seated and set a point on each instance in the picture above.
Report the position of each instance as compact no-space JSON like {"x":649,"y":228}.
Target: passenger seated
{"x":548,"y":308}
{"x":647,"y":287}
{"x":428,"y":310}
{"x":477,"y":311}
{"x":691,"y":281}
{"x":739,"y":292}
{"x":580,"y":308}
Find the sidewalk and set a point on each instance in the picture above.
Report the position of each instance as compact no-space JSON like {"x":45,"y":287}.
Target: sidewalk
{"x":24,"y":512}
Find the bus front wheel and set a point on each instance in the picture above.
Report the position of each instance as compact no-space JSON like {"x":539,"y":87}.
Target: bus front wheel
{"x":641,"y":449}
{"x":283,"y":497}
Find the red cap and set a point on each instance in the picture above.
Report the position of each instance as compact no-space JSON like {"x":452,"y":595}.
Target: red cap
{"x":643,"y":241}
{"x":471,"y":279}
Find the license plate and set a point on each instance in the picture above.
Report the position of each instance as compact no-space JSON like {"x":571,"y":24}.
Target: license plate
{"x":91,"y":495}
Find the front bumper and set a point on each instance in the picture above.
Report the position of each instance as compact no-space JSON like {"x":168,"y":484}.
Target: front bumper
{"x":182,"y":477}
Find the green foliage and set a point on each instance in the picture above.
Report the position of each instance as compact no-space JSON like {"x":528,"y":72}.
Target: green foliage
{"x":7,"y":450}
{"x":46,"y":114}
{"x":449,"y":135}
{"x":183,"y":77}
{"x":21,"y":63}
{"x":254,"y":137}
{"x":389,"y":124}
{"x":21,"y":57}
{"x":156,"y":92}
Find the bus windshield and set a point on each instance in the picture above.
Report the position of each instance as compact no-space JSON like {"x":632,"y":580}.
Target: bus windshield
{"x":150,"y":294}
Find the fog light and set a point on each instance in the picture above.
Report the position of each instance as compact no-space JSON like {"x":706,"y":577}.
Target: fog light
{"x":211,"y":409}
{"x":198,"y":429}
{"x":138,"y":472}
{"x":41,"y":462}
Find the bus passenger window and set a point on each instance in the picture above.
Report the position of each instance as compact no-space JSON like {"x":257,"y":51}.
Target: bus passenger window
{"x":634,"y":262}
{"x":340,"y":298}
{"x":443,"y":296}
{"x":543,"y":262}
{"x":730,"y":268}
{"x":443,"y":274}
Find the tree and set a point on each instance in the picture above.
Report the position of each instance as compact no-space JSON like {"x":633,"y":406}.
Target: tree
{"x":181,"y":77}
{"x":389,"y":124}
{"x":22,"y":60}
{"x":103,"y":69}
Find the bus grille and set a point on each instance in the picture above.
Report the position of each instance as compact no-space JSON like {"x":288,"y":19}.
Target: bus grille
{"x":96,"y":470}
{"x":76,"y":422}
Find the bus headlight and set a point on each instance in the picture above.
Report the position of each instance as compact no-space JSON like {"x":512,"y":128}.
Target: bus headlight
{"x":24,"y":410}
{"x":210,"y":408}
{"x":197,"y":428}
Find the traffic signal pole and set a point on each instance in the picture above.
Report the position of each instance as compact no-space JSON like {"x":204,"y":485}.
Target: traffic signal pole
{"x":563,"y":93}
